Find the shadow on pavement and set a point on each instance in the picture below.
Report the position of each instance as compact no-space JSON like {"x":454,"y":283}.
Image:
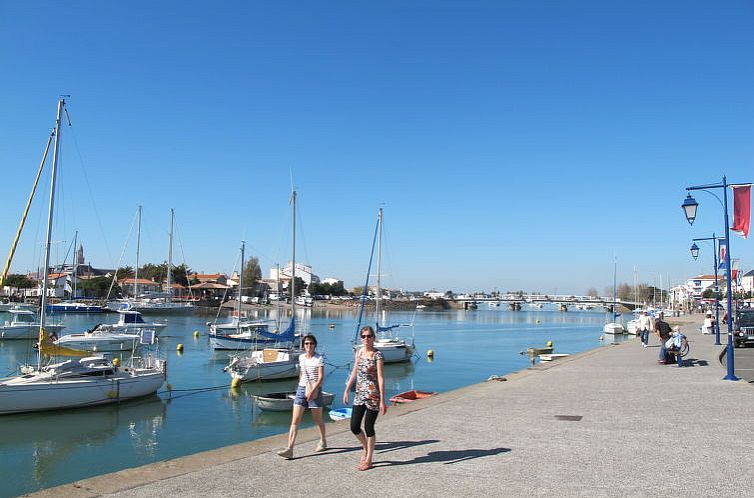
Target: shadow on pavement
{"x":446,"y":457}
{"x":379,"y":447}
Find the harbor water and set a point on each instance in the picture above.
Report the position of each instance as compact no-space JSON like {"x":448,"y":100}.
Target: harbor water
{"x":201,"y":412}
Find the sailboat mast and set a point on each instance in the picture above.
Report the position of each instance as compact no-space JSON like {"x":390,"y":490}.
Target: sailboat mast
{"x":293,"y":260}
{"x":170,"y":257}
{"x":45,"y":268}
{"x":75,"y":263}
{"x":240,"y":286}
{"x":378,"y":301}
{"x":138,"y":246}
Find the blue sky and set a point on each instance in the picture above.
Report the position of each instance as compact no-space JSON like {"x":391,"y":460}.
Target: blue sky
{"x":513,"y":145}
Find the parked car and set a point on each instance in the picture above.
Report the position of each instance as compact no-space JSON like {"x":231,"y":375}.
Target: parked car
{"x":743,"y":327}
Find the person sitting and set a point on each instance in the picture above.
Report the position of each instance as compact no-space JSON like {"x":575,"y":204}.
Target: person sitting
{"x":709,"y":324}
{"x":674,"y":346}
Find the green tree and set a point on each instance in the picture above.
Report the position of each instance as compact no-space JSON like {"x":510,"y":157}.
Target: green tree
{"x":337,"y":289}
{"x":180,"y":274}
{"x":98,"y":287}
{"x":300,"y":286}
{"x":16,"y":281}
{"x":252,"y":274}
{"x":124,"y":272}
{"x":155,"y":273}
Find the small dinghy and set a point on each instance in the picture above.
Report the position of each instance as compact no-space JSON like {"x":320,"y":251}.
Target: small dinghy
{"x":538,"y":351}
{"x":550,"y":357}
{"x":411,"y":395}
{"x":283,"y":401}
{"x":340,"y":414}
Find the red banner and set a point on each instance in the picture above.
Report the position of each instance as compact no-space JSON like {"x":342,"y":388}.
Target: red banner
{"x":741,"y":210}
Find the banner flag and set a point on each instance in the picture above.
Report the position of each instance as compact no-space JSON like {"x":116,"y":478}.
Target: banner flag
{"x":741,"y":210}
{"x":723,"y":249}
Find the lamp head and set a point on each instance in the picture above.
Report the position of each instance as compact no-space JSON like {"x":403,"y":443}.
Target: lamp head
{"x":689,"y":208}
{"x":694,"y":250}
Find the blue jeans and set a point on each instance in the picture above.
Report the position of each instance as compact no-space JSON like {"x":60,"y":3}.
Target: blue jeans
{"x":663,"y":350}
{"x":644,"y":336}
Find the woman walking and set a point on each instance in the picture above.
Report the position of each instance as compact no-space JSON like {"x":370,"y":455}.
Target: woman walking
{"x":308,"y":395}
{"x":369,"y":400}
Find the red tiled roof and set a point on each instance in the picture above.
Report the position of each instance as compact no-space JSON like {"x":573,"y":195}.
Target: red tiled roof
{"x":140,"y":281}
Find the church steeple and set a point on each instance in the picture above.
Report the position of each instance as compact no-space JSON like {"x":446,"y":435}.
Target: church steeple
{"x":80,"y":255}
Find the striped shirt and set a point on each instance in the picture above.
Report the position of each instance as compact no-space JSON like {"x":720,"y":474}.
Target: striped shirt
{"x":310,"y":368}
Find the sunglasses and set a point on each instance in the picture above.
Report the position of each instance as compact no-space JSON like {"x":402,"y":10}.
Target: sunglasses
{"x":368,"y":336}
{"x":309,"y":344}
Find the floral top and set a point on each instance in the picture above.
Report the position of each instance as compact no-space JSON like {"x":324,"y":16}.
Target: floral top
{"x":367,"y":389}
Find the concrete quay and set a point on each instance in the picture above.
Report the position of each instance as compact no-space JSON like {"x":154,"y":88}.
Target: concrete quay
{"x":606,"y":422}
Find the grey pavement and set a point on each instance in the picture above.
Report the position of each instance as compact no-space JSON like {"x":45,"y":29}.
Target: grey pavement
{"x":607,"y":422}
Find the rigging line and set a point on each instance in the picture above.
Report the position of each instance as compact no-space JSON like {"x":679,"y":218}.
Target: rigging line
{"x":236,"y":264}
{"x":122,"y":254}
{"x":89,"y":187}
{"x":177,"y":233}
{"x":300,"y":223}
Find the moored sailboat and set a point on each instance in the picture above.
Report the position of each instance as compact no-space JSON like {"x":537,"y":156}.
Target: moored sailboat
{"x":80,"y":381}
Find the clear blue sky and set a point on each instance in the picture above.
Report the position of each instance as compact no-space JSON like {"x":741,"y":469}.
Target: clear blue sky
{"x":513,"y":145}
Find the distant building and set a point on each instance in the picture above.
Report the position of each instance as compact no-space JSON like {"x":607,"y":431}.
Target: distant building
{"x":747,"y":282}
{"x":304,"y":272}
{"x":331,"y":281}
{"x":215,"y":278}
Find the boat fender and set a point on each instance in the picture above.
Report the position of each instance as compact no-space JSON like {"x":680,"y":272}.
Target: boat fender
{"x":234,"y":383}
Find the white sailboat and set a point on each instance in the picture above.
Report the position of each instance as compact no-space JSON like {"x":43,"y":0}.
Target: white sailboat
{"x":393,"y":348}
{"x":130,"y":320}
{"x":278,"y":362}
{"x":614,"y":327}
{"x":155,"y":302}
{"x":74,"y":382}
{"x":239,"y":333}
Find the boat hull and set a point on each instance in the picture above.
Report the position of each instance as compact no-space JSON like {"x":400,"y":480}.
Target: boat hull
{"x":264,"y":365}
{"x":26,"y":332}
{"x":614,"y":329}
{"x":233,"y":342}
{"x":100,"y":342}
{"x":17,"y":396}
{"x":340,"y":414}
{"x":282,"y":402}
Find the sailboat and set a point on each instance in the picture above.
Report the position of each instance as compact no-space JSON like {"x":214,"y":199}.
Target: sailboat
{"x":155,"y":302}
{"x":239,"y":333}
{"x":393,"y":348}
{"x":80,"y":381}
{"x":273,"y":362}
{"x":614,"y":327}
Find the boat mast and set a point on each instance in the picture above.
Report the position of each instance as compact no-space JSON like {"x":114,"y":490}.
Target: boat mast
{"x":293,"y":262}
{"x":45,"y":268}
{"x":615,"y":271}
{"x":138,"y":246}
{"x":75,"y":264}
{"x":378,"y":300}
{"x":240,"y":287}
{"x":170,"y":257}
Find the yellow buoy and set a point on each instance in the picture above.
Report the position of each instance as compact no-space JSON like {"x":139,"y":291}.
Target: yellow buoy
{"x":196,"y":334}
{"x":332,"y":326}
{"x":549,"y":344}
{"x":179,"y":348}
{"x":430,"y":353}
{"x":116,"y":362}
{"x":169,"y":387}
{"x":234,"y":383}
{"x":539,"y":321}
{"x":602,"y":338}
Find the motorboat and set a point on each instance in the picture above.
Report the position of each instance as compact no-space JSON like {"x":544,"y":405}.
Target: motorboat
{"x":25,"y":326}
{"x":250,"y":336}
{"x":130,"y":320}
{"x":101,"y":340}
{"x":283,"y":401}
{"x":614,"y":328}
{"x":551,"y":357}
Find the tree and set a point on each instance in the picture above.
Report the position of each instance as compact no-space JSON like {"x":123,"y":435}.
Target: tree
{"x":124,"y":272}
{"x":624,"y":292}
{"x":300,"y":286}
{"x":155,"y":273}
{"x":592,"y":292}
{"x":15,"y":281}
{"x":98,"y":287}
{"x":180,"y":274}
{"x":252,"y":273}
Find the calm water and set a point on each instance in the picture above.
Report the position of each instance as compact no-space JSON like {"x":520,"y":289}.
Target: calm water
{"x":46,"y":449}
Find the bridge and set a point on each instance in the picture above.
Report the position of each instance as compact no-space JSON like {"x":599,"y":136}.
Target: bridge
{"x":516,"y":302}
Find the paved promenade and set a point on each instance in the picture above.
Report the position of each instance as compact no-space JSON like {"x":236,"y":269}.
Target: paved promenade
{"x":609,"y":422}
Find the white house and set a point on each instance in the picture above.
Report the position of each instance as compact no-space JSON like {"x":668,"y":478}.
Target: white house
{"x":304,"y":272}
{"x":747,"y":281}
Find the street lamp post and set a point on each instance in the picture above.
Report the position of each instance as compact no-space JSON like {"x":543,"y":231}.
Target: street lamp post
{"x":695,"y":254}
{"x":689,"y":209}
